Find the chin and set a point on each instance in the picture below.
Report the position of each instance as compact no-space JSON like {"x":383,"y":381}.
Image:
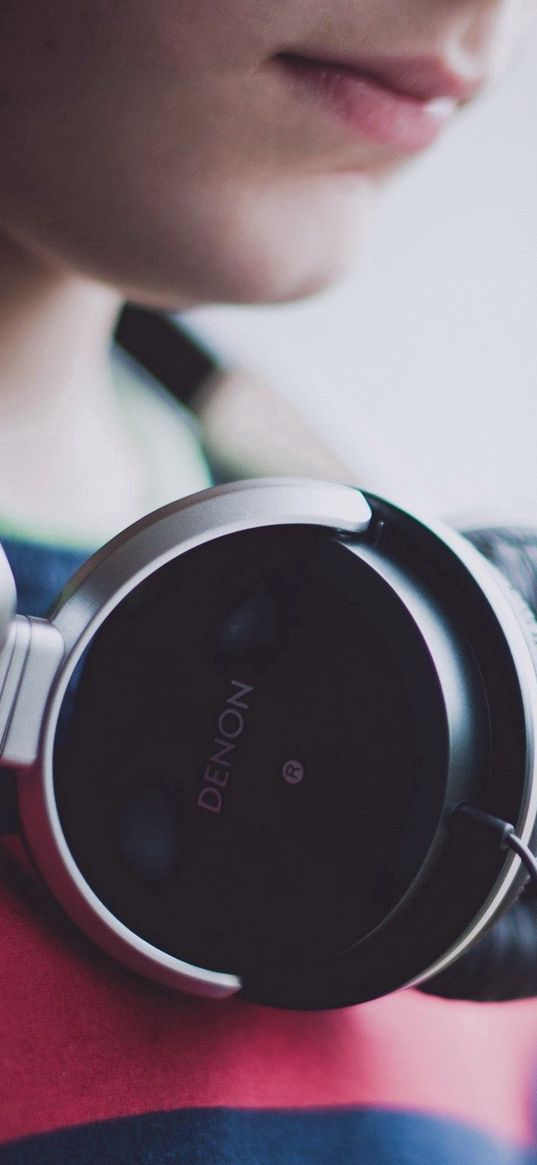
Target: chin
{"x":264,"y":278}
{"x":303,"y":242}
{"x":277,"y":247}
{"x":294,"y":283}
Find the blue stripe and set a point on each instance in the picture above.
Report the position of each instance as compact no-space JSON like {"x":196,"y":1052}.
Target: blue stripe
{"x":252,"y":1137}
{"x":40,"y":572}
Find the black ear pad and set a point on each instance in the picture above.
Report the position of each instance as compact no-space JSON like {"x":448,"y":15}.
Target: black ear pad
{"x":503,"y":964}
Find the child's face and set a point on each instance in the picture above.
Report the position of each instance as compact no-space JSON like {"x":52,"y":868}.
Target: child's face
{"x":158,"y":146}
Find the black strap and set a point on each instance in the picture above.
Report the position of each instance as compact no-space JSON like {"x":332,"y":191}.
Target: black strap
{"x":164,"y":349}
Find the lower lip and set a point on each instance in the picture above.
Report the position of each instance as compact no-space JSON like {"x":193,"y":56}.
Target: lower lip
{"x":373,"y":111}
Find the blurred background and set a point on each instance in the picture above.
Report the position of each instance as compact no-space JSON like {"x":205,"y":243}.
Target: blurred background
{"x":419,"y":373}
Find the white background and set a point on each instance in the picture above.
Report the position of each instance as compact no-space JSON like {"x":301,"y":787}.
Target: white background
{"x":422,"y":368}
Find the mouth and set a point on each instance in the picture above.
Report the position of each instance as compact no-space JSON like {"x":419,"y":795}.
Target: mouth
{"x":402,"y":103}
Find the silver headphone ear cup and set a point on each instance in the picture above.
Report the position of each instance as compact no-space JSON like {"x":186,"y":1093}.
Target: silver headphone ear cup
{"x":381,"y":671}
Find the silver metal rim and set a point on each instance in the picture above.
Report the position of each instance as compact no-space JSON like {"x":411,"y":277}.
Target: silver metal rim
{"x":97,"y":589}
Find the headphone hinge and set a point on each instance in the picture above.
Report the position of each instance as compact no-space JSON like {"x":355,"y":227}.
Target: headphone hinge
{"x":29,"y":662}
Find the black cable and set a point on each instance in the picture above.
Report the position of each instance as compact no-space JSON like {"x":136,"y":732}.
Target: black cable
{"x":529,"y":860}
{"x":507,"y":836}
{"x":502,"y":964}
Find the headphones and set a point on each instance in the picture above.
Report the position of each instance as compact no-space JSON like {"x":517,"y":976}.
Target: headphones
{"x":270,"y":739}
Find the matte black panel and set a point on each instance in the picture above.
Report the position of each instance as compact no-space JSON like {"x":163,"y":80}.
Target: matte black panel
{"x":243,"y":749}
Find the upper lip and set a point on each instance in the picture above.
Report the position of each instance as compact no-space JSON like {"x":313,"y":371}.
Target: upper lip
{"x":423,"y":78}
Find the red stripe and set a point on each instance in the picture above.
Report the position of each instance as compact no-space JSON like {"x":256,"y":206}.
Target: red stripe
{"x":83,"y":1041}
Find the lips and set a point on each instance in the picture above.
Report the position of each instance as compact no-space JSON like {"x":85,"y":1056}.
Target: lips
{"x":425,"y":78}
{"x":397,"y":102}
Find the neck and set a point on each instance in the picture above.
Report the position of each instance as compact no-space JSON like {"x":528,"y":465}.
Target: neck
{"x":55,"y":331}
{"x":64,"y":456}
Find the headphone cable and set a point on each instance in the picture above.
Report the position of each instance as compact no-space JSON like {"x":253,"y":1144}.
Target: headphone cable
{"x":507,"y":836}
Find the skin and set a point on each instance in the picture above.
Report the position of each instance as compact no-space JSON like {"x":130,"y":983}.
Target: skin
{"x":154,"y":146}
{"x":151,"y":151}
